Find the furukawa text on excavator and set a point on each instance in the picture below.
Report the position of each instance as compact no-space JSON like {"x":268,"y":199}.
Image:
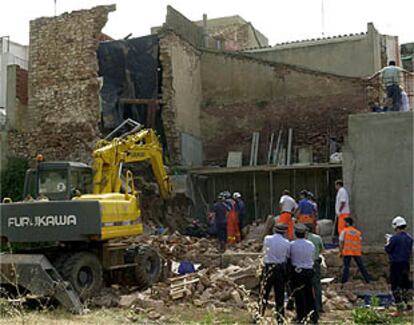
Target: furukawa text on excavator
{"x":61,"y":244}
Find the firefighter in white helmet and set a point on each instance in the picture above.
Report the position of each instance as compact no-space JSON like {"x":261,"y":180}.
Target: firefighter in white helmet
{"x":398,"y":248}
{"x":241,"y":211}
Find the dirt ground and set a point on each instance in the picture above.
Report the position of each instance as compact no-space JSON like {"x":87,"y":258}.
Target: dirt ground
{"x":181,"y":314}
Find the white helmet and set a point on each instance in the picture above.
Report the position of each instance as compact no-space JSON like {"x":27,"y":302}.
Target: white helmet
{"x":398,"y":222}
{"x":236,"y":195}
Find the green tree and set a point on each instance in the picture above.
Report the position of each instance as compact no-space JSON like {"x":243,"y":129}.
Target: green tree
{"x":12,"y":178}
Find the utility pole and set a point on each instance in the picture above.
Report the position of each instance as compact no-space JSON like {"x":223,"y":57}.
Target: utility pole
{"x":323,"y":17}
{"x":55,"y":6}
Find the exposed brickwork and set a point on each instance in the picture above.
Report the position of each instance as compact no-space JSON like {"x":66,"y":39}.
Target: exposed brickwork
{"x":169,"y":112}
{"x":241,"y":96}
{"x":64,"y":107}
{"x":181,"y":91}
{"x":22,"y":85}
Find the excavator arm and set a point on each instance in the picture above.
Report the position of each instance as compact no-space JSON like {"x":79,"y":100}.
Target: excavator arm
{"x":109,"y":157}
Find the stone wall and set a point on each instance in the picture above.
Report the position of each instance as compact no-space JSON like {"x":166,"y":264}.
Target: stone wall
{"x":181,"y":91}
{"x":64,"y":104}
{"x":242,"y":95}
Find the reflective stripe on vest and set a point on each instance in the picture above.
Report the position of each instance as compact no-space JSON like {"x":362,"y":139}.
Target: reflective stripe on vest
{"x":352,"y":242}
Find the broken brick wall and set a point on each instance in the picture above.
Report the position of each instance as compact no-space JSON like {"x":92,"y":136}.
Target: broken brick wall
{"x":181,"y":95}
{"x":243,"y":95}
{"x":64,"y":105}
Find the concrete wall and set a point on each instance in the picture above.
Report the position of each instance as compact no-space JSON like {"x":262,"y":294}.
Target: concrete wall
{"x":378,"y":171}
{"x":181,"y":91}
{"x":16,"y":104}
{"x":182,"y":26}
{"x":11,"y":53}
{"x":242,"y":95}
{"x":354,"y":56}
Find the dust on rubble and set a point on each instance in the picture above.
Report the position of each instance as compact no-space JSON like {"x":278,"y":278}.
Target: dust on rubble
{"x":223,"y":281}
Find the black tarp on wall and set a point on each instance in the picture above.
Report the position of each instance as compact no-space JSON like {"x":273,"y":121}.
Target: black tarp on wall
{"x":130,"y":69}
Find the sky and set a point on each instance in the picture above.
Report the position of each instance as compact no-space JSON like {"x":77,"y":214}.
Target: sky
{"x":278,"y":20}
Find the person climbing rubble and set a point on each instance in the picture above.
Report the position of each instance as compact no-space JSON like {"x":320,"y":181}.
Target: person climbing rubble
{"x":277,"y":251}
{"x":350,"y":246}
{"x":399,"y":248}
{"x":316,"y":240}
{"x":287,"y":207}
{"x":233,"y":226}
{"x":220,"y":211}
{"x":241,"y":211}
{"x":305,"y":212}
{"x":302,"y":259}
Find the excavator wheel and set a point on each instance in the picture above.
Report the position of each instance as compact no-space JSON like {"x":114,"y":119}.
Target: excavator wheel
{"x":148,"y":270}
{"x":83,"y":270}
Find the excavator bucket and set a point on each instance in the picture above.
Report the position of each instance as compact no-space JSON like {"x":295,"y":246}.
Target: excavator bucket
{"x":37,"y":275}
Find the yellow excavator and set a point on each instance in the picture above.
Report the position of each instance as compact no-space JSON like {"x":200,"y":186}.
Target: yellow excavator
{"x":60,"y":245}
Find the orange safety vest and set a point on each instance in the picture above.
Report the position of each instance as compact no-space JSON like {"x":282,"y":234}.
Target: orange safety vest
{"x":233,"y":226}
{"x":352,"y":242}
{"x":306,"y":218}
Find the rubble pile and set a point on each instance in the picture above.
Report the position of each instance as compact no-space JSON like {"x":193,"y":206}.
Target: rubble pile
{"x":373,"y":258}
{"x":174,"y":214}
{"x":228,"y":287}
{"x":177,"y":247}
{"x":229,"y":280}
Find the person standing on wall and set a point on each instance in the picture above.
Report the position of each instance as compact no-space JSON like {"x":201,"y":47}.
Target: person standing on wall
{"x":341,"y":205}
{"x":302,"y":256}
{"x":305,"y":211}
{"x":391,"y":77}
{"x":316,"y":240}
{"x":276,"y":253}
{"x":287,"y":207}
{"x":399,"y":248}
{"x":350,"y":246}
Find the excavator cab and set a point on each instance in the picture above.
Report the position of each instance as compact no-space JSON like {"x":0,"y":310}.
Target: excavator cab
{"x":58,"y":180}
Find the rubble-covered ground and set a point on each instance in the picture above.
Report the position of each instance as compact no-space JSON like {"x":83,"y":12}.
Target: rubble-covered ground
{"x":224,"y":290}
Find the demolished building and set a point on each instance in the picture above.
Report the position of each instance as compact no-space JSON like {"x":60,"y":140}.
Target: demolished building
{"x":204,"y":102}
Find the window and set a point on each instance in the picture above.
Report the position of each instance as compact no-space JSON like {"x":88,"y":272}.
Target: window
{"x":52,"y":181}
{"x":81,"y":180}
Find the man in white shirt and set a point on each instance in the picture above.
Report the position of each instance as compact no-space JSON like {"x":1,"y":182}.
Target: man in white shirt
{"x":341,"y":205}
{"x":277,"y":250}
{"x":287,"y":207}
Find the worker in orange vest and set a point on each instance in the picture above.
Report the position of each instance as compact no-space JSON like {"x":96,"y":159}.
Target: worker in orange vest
{"x":287,"y":206}
{"x":305,"y":211}
{"x":350,"y":246}
{"x":233,"y":226}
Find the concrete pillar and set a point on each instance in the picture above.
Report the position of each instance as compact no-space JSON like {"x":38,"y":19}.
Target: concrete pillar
{"x":374,"y":39}
{"x":205,"y":33}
